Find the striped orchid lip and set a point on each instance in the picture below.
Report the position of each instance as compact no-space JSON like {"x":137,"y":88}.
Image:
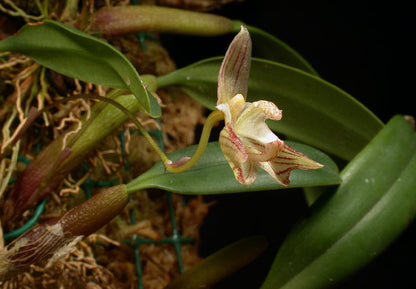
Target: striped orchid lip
{"x":246,"y":141}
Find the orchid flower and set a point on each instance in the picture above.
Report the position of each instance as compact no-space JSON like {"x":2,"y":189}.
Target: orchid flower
{"x":246,"y":141}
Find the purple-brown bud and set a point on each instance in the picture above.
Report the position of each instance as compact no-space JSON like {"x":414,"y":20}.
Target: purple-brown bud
{"x":38,"y":180}
{"x":46,"y":243}
{"x":44,"y":174}
{"x":140,"y":18}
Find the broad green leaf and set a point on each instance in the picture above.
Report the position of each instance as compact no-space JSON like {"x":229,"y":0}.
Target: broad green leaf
{"x":221,"y":264}
{"x":267,"y":46}
{"x":213,"y":175}
{"x":77,"y":55}
{"x":375,"y":202}
{"x":314,"y":111}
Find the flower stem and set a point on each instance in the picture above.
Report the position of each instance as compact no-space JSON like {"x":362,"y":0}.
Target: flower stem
{"x":212,"y":120}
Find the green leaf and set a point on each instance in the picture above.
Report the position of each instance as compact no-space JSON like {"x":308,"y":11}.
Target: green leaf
{"x":155,"y":109}
{"x":213,"y":166}
{"x":375,"y":202}
{"x":77,"y":55}
{"x":221,"y":264}
{"x":269,"y":47}
{"x":314,"y":111}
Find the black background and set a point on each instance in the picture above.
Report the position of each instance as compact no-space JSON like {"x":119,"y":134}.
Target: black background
{"x":364,"y":47}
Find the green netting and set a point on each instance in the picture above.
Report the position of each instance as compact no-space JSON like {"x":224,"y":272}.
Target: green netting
{"x":175,"y":239}
{"x":29,"y":224}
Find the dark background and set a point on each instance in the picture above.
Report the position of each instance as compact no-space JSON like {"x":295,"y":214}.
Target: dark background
{"x":366,"y":48}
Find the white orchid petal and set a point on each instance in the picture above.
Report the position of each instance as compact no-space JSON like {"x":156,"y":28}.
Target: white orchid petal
{"x":251,"y":124}
{"x":269,"y":109}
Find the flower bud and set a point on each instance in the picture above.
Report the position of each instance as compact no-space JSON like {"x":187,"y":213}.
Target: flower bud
{"x":46,"y":243}
{"x":141,"y":18}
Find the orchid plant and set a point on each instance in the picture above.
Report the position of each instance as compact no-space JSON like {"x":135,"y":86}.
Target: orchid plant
{"x":246,"y":142}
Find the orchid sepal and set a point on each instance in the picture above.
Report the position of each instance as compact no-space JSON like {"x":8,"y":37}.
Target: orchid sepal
{"x":288,"y":159}
{"x":235,"y":69}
